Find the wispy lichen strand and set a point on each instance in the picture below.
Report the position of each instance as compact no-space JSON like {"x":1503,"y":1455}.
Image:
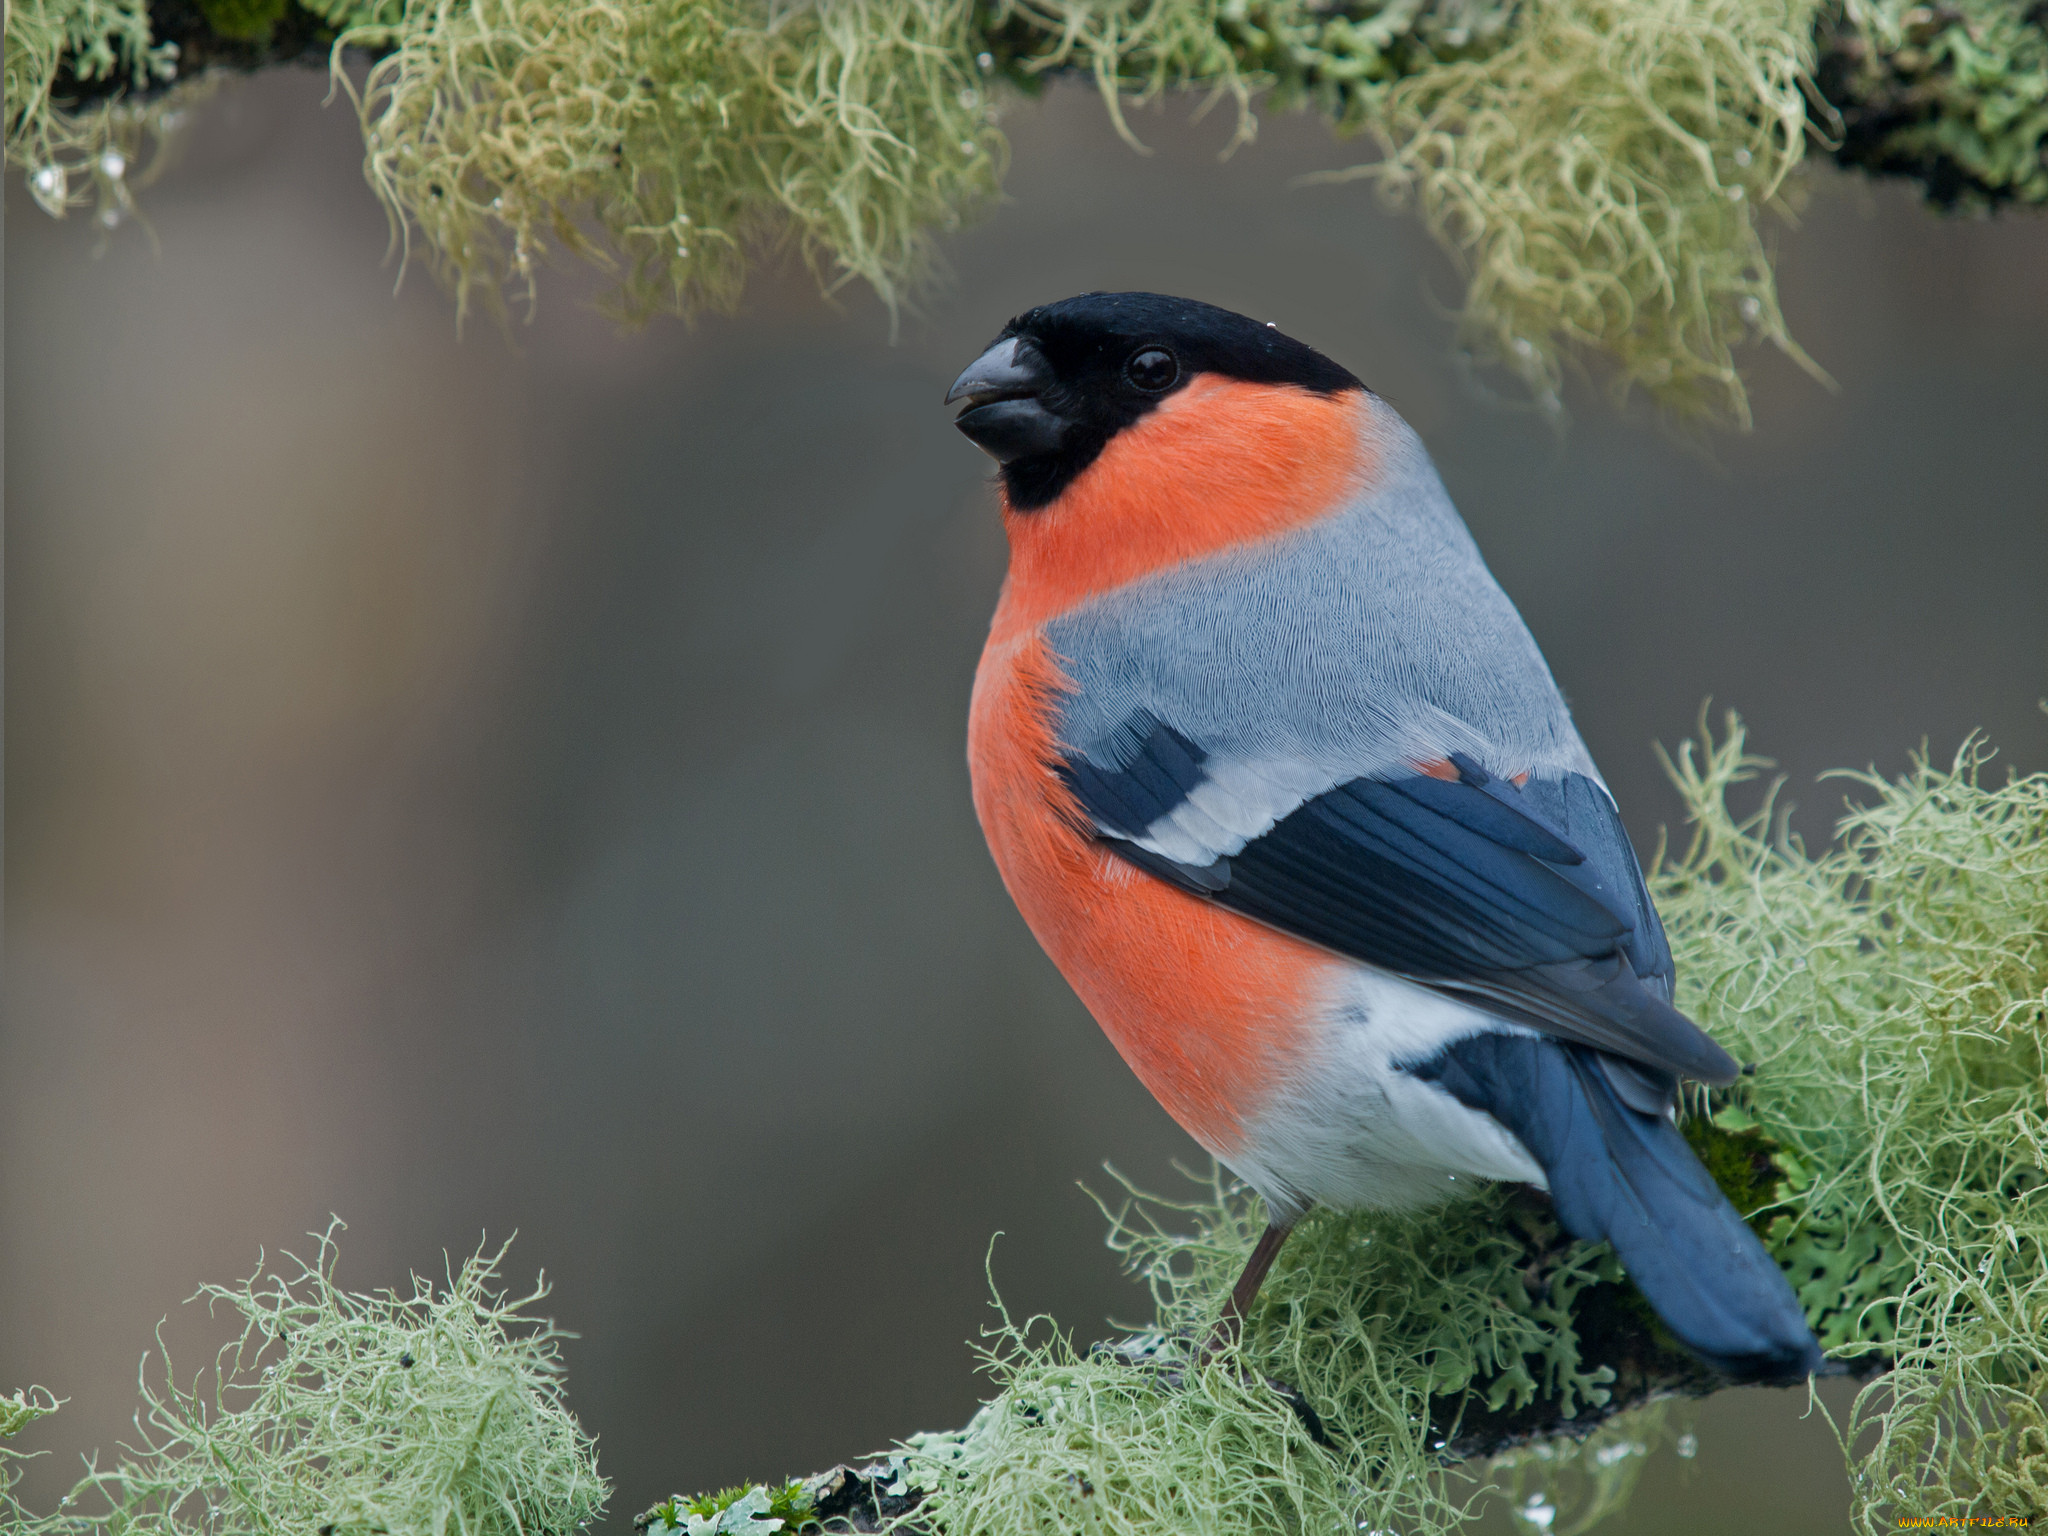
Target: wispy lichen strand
{"x":1600,"y":179}
{"x":97,"y":157}
{"x":675,"y":140}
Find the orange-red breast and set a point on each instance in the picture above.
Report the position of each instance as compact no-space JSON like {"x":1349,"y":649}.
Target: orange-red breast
{"x":1280,"y":780}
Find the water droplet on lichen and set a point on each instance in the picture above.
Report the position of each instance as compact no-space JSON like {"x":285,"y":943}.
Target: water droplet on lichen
{"x":1735,"y":194}
{"x":1743,"y":157}
{"x":113,"y":165}
{"x":1620,"y":1451}
{"x":1688,"y":1445}
{"x":1538,"y":1513}
{"x":48,"y":186}
{"x":109,"y":217}
{"x":985,"y":62}
{"x":969,"y":97}
{"x":1752,"y":309}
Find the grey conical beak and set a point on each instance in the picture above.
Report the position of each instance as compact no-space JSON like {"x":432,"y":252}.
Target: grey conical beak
{"x":1009,"y":369}
{"x":1005,"y":416}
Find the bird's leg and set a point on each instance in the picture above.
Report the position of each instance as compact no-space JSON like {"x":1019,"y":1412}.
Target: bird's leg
{"x":1230,"y":1326}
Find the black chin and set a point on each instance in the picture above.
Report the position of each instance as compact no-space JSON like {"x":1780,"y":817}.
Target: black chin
{"x":1037,"y":480}
{"x":1009,"y":430}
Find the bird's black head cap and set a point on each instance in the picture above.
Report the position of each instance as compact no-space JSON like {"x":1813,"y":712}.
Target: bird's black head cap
{"x":1061,"y":380}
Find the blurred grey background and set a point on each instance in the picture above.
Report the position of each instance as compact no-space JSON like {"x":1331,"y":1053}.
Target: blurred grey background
{"x":476,"y":784}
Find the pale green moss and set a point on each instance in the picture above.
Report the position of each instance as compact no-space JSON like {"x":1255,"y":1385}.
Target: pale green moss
{"x":423,"y":1414}
{"x":23,"y":1409}
{"x":749,"y":1510}
{"x":1895,"y":992}
{"x":98,"y":156}
{"x":675,"y":139}
{"x":1375,"y":1318}
{"x":1961,"y":87}
{"x":1600,"y":178}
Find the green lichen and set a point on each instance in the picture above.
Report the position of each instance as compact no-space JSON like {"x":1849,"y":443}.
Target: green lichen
{"x":2013,"y":1472}
{"x":1600,"y":178}
{"x":23,"y":1409}
{"x":98,"y":156}
{"x":426,"y":1413}
{"x":1378,"y":1319}
{"x":368,"y":20}
{"x":249,"y":21}
{"x":1953,"y":93}
{"x":749,"y":1510}
{"x":1744,"y":1162}
{"x":1895,"y":992}
{"x":673,"y":140}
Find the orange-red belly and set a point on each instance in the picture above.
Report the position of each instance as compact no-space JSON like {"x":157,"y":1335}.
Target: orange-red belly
{"x":1209,"y":1009}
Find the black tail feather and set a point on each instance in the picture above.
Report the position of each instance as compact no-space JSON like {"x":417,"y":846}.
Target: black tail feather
{"x":1629,"y":1177}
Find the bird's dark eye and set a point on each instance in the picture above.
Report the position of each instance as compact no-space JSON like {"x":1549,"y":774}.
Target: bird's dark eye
{"x":1152,"y":369}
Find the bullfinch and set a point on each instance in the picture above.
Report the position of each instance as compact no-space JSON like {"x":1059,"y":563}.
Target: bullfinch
{"x":1278,"y":777}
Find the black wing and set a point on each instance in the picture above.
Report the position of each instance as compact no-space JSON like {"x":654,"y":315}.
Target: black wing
{"x":1525,"y":899}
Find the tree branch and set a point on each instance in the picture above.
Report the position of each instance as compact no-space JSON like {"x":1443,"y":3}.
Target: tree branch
{"x":869,"y":1498}
{"x":1911,"y":108}
{"x":1923,"y":108}
{"x":1614,"y":1326}
{"x":259,"y":37}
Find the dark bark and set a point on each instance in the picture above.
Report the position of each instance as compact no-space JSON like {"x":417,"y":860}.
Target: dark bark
{"x":294,"y":37}
{"x":858,"y":1499}
{"x":1905,"y":113}
{"x":291,"y":36}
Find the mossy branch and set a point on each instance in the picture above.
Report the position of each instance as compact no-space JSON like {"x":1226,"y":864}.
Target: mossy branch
{"x":1891,"y":1149}
{"x":1623,"y":1360}
{"x":1596,"y":166}
{"x":1911,"y":99}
